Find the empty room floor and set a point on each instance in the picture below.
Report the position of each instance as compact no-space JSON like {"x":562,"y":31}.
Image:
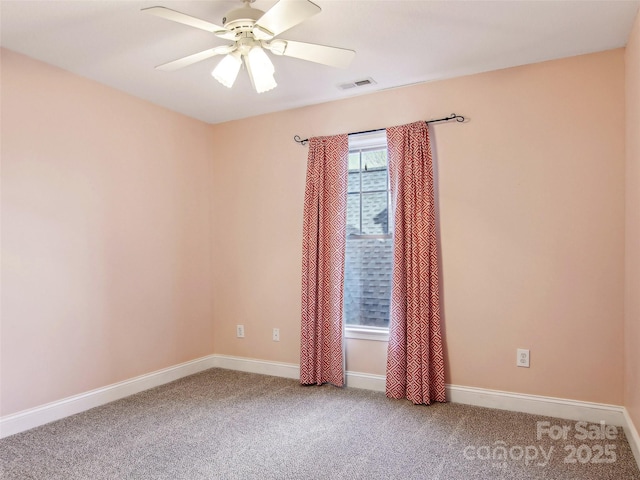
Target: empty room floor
{"x":223,"y":424}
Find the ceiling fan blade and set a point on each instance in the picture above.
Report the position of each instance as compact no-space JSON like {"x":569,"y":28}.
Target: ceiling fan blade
{"x":312,"y":52}
{"x":286,"y":14}
{"x":196,"y":57}
{"x":185,"y":19}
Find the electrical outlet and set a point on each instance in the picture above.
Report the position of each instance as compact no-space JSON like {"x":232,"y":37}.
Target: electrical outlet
{"x":276,"y":334}
{"x":240,"y":331}
{"x":523,"y":358}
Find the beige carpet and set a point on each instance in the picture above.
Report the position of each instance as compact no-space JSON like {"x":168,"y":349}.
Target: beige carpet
{"x":221,"y":424}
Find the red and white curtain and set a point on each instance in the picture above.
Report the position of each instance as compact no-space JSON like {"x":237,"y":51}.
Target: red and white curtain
{"x":415,"y":363}
{"x":323,"y":247}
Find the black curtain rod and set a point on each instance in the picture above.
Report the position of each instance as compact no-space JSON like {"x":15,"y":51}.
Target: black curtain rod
{"x":453,"y":116}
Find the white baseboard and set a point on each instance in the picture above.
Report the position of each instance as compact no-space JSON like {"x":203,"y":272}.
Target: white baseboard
{"x":537,"y":405}
{"x":632,"y":436}
{"x":251,"y":365}
{"x":34,"y":417}
{"x":534,"y":404}
{"x":291,"y":370}
{"x":366,"y":381}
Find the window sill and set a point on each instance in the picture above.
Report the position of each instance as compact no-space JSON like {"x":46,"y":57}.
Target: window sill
{"x":367,"y":333}
{"x":362,"y":236}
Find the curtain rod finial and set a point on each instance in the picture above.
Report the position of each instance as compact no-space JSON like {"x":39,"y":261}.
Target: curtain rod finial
{"x":301,"y":141}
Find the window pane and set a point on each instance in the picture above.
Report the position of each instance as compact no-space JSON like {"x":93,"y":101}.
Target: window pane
{"x":374,"y":159}
{"x":375,"y":215}
{"x":353,"y":181}
{"x":354,"y":161}
{"x":367,"y":281}
{"x":374,"y":180}
{"x":353,"y":214}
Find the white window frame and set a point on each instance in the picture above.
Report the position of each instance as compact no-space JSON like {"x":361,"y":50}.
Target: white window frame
{"x":367,"y":141}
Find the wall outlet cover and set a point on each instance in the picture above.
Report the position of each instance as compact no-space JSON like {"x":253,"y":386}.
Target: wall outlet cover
{"x":522,"y":359}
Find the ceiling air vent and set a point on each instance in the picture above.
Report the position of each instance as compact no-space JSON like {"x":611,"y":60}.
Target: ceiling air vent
{"x":358,"y":83}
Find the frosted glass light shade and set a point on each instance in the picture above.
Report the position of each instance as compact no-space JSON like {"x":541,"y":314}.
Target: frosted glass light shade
{"x":261,"y":70}
{"x":264,"y":83}
{"x":227,"y":70}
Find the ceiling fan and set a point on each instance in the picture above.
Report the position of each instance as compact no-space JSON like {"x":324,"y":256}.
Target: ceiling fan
{"x":253,"y":31}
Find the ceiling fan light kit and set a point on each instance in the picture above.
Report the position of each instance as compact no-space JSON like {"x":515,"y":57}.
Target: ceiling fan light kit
{"x":227,"y":70}
{"x":260,"y":70}
{"x":252,"y":32}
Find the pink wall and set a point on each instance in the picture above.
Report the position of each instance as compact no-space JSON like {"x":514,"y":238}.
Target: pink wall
{"x":632,"y":304}
{"x":106,"y":233}
{"x":112,"y":206}
{"x":532,"y":224}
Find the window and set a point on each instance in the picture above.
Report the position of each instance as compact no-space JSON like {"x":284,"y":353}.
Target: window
{"x":369,"y":250}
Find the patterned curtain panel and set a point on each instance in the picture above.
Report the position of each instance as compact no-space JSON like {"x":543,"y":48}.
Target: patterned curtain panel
{"x":415,"y":363}
{"x":323,"y":247}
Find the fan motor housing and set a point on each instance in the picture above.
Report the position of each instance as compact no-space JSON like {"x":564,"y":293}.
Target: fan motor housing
{"x":242,"y":19}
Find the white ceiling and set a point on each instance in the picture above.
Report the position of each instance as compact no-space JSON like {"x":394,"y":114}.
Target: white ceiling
{"x":397,"y":43}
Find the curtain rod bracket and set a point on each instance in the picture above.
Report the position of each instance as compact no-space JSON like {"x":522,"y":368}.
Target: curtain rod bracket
{"x":453,"y":116}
